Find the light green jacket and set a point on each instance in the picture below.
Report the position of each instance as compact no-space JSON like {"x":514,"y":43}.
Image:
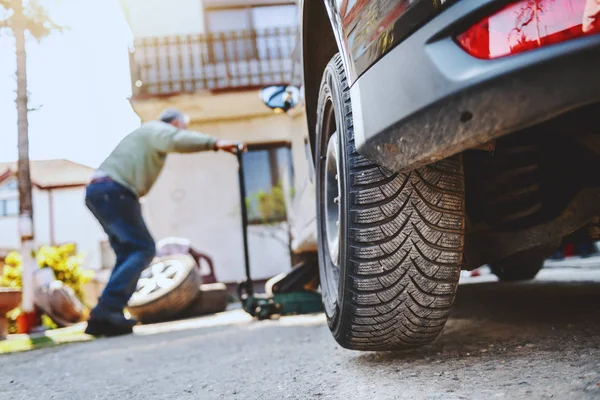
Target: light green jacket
{"x":138,"y":160}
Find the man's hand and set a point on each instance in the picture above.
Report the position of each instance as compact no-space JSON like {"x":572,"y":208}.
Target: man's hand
{"x":229,"y":146}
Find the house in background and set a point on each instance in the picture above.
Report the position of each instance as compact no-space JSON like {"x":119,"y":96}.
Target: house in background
{"x":209,"y":58}
{"x":60,"y":215}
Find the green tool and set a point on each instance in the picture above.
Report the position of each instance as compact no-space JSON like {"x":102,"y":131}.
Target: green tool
{"x":289,"y":296}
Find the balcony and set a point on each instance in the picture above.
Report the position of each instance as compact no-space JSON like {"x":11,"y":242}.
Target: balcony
{"x":162,"y":66}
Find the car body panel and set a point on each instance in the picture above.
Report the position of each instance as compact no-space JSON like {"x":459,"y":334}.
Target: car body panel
{"x":418,"y":97}
{"x":366,"y":30}
{"x":412,"y":111}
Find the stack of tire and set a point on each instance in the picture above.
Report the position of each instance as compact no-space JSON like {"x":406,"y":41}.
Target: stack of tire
{"x":171,"y":288}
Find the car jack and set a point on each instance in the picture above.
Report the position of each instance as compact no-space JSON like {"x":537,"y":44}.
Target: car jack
{"x":289,"y":293}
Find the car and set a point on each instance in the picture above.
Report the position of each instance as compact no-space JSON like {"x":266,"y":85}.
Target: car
{"x":444,"y":135}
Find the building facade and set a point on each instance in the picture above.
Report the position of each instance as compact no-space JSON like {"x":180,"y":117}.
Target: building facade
{"x":210,"y":58}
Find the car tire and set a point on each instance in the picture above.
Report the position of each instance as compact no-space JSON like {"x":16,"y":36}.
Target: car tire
{"x":518,"y":268}
{"x":390,"y":281}
{"x":210,"y":299}
{"x":165,"y":289}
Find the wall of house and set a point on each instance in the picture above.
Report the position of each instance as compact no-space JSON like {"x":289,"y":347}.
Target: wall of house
{"x":9,"y":236}
{"x":75,"y":223}
{"x":41,"y":215}
{"x":197,"y":197}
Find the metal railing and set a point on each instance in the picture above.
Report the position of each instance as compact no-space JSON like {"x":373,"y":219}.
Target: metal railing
{"x":219,"y":61}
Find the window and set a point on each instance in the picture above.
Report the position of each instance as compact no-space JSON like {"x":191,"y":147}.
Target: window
{"x":265,"y":168}
{"x":245,"y":18}
{"x":9,"y":207}
{"x":10,"y":186}
{"x":249,"y":24}
{"x":9,"y":201}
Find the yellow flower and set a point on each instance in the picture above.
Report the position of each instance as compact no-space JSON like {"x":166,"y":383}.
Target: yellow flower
{"x":64,"y":261}
{"x":13,"y":259}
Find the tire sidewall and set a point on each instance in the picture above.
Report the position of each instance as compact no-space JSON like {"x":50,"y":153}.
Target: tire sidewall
{"x":331,"y":88}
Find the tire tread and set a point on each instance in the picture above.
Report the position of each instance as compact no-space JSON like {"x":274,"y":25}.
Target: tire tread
{"x":405,"y":250}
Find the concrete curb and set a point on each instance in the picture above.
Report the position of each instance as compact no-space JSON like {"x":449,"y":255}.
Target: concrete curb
{"x":51,"y":338}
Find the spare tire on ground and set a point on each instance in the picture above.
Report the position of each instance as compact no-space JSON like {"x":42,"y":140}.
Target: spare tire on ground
{"x":210,"y":299}
{"x":166,"y":288}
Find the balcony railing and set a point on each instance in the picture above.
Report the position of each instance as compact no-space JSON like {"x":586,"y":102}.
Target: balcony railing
{"x":220,"y":61}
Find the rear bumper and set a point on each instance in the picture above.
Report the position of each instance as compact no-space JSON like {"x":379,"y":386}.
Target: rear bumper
{"x":428,"y":99}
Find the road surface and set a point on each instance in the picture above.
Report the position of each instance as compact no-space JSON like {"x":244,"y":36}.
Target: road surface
{"x":538,"y":340}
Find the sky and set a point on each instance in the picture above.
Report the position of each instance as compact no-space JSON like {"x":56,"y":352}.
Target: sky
{"x":79,"y":78}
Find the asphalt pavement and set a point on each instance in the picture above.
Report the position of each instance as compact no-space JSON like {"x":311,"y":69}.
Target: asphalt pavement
{"x":536,"y":340}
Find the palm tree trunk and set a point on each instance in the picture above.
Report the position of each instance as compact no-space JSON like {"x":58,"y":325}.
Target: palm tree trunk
{"x":23,"y":173}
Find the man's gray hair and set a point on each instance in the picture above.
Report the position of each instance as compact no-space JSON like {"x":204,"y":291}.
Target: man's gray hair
{"x":172,"y":114}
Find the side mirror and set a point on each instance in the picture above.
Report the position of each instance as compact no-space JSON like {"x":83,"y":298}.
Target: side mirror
{"x":280,"y":98}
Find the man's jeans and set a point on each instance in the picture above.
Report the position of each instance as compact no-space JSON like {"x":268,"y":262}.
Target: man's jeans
{"x":119,"y":212}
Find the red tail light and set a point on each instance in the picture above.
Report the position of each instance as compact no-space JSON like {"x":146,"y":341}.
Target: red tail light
{"x":529,"y":24}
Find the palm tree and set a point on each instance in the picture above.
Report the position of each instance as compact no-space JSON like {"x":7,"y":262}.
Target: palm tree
{"x":23,"y":18}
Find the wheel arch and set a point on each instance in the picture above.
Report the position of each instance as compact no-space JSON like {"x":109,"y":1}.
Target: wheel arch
{"x":320,"y":42}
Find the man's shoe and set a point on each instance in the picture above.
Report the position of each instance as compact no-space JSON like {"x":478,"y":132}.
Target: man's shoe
{"x":105,"y":322}
{"x":99,"y":327}
{"x":113,"y":317}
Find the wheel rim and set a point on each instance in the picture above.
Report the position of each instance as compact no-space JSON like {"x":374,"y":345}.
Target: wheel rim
{"x":332,"y":199}
{"x":160,"y":275}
